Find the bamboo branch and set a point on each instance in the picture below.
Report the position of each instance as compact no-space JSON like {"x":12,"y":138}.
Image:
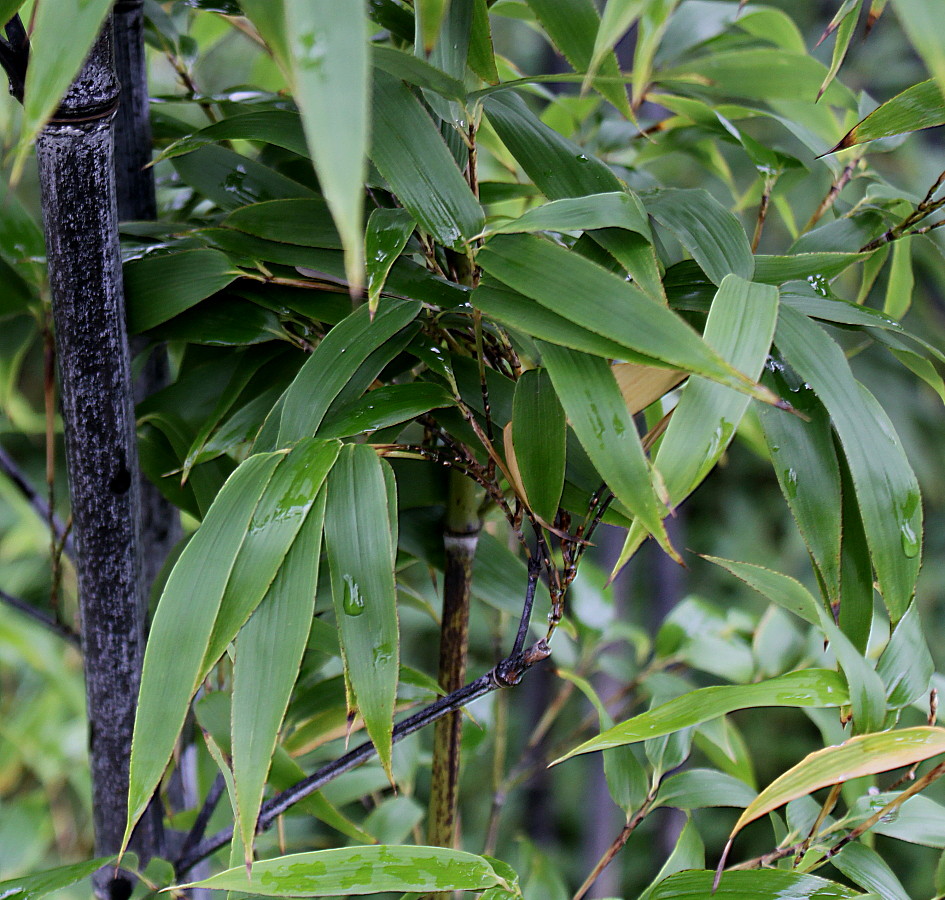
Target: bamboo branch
{"x":37,"y":615}
{"x":512,"y":672}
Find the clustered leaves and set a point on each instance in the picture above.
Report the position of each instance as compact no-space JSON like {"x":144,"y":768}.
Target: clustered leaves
{"x":408,"y":256}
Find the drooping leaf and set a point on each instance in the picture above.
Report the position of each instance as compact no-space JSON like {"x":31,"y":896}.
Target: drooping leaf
{"x":816,"y":266}
{"x":157,"y":288}
{"x":219,"y":579}
{"x":304,"y":222}
{"x":759,"y":884}
{"x":805,"y":463}
{"x":387,"y":405}
{"x":906,"y":665}
{"x":410,"y":153}
{"x":279,"y":127}
{"x":616,"y":209}
{"x":263,"y":679}
{"x":602,"y":302}
{"x":699,"y":788}
{"x":388,"y":231}
{"x":866,"y":868}
{"x":886,"y":486}
{"x":917,"y":107}
{"x":539,"y":431}
{"x":818,"y":688}
{"x":358,"y":540}
{"x":605,"y":428}
{"x":181,"y":628}
{"x":328,"y":370}
{"x":416,"y":70}
{"x":330,"y":64}
{"x":360,"y":870}
{"x":712,"y":234}
{"x":866,"y":754}
{"x":481,"y":51}
{"x":740,"y":326}
{"x":429,"y":15}
{"x":844,"y":23}
{"x":40,"y":884}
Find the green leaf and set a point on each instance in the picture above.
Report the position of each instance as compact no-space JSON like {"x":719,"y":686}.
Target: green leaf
{"x":615,"y":209}
{"x":866,"y":754}
{"x":867,"y":696}
{"x":40,"y":884}
{"x":817,"y":688}
{"x":886,"y":486}
{"x":700,"y":788}
{"x":600,"y":418}
{"x":763,"y":73}
{"x":712,"y":234}
{"x":429,"y":15}
{"x":481,"y":52}
{"x":232,"y":180}
{"x":361,"y":870}
{"x":816,"y":266}
{"x":921,"y":20}
{"x":539,"y":430}
{"x":866,"y":868}
{"x":410,"y":153}
{"x":740,"y":326}
{"x":906,"y":665}
{"x":330,"y":62}
{"x":618,"y":17}
{"x":222,"y":575}
{"x":263,"y":679}
{"x":901,"y":281}
{"x":918,"y":820}
{"x":358,"y":540}
{"x":279,"y":127}
{"x":62,"y":35}
{"x":304,"y":222}
{"x":388,"y":231}
{"x":389,"y":404}
{"x":805,"y":463}
{"x":848,"y":15}
{"x":600,"y":301}
{"x":270,"y":21}
{"x":157,"y":288}
{"x":415,"y":70}
{"x":760,"y":884}
{"x":573,"y":25}
{"x":183,"y":622}
{"x":9,"y":8}
{"x":917,"y":107}
{"x":335,"y":360}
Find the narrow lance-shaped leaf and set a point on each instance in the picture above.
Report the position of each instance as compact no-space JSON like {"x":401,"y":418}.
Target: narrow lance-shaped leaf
{"x":618,"y":17}
{"x":410,"y":153}
{"x":844,"y":23}
{"x":539,"y":431}
{"x":817,"y":688}
{"x":63,"y":33}
{"x":39,"y":884}
{"x":740,"y":326}
{"x":362,"y":870}
{"x":180,"y":632}
{"x":330,"y":64}
{"x":711,"y":233}
{"x":388,"y":231}
{"x":600,"y":301}
{"x":917,"y":107}
{"x":429,"y":15}
{"x":605,"y":428}
{"x":867,"y":694}
{"x":866,"y":754}
{"x":358,"y":540}
{"x":805,"y":463}
{"x":886,"y":487}
{"x":263,"y":679}
{"x":335,"y":360}
{"x":615,"y":209}
{"x":760,"y":884}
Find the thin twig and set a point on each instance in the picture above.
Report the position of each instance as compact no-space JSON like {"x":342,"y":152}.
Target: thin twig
{"x":922,"y":211}
{"x":616,"y":846}
{"x":832,"y":194}
{"x":195,"y":835}
{"x":53,"y":624}
{"x":9,"y":468}
{"x":276,"y":806}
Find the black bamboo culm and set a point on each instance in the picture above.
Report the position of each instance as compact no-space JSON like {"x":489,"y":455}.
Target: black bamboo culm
{"x":75,"y":156}
{"x":134,"y":187}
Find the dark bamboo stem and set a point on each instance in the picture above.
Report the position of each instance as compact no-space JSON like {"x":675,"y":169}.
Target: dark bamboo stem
{"x":134,"y":182}
{"x":75,"y":158}
{"x":460,"y":538}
